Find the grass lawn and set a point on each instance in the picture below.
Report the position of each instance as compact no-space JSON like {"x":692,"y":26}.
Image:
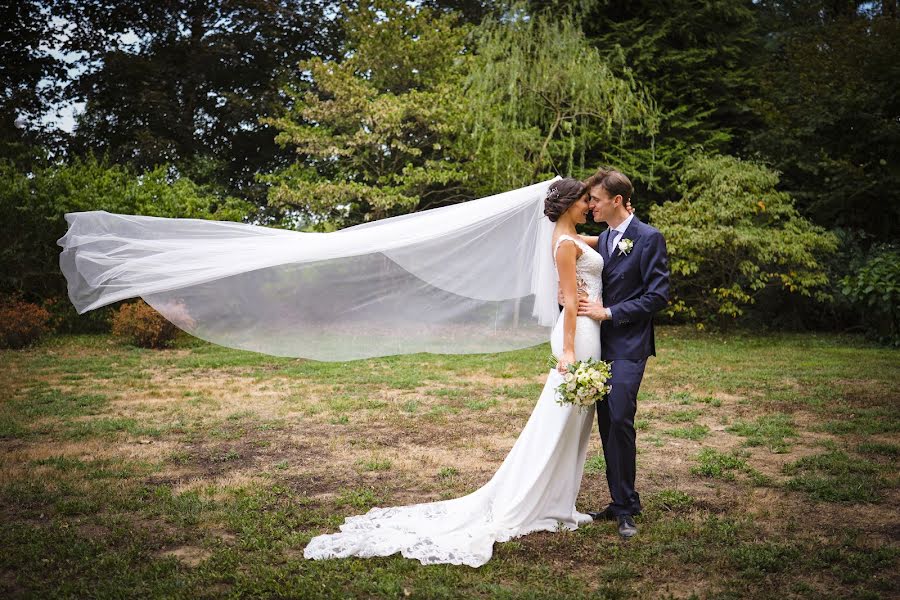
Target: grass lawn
{"x":767,"y":465}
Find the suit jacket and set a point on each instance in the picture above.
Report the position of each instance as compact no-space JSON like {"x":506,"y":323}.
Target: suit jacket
{"x":635,"y":287}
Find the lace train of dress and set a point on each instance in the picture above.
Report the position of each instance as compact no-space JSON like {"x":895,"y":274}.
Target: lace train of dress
{"x":533,"y":490}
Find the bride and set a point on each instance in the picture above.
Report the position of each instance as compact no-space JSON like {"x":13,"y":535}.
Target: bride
{"x":536,"y":486}
{"x":413,"y":283}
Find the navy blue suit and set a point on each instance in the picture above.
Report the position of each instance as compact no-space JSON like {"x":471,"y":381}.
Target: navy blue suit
{"x":635,"y":287}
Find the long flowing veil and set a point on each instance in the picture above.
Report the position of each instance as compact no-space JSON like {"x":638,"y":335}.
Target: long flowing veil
{"x":471,"y":277}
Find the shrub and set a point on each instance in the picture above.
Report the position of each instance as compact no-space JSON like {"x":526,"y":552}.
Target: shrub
{"x":732,"y":236}
{"x":21,"y":323}
{"x":34,"y":200}
{"x":65,"y":319}
{"x":875,"y":290}
{"x":778,"y":309}
{"x":143,"y":326}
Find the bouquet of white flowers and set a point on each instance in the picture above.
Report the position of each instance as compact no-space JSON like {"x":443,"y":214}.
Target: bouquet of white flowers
{"x":584,"y":383}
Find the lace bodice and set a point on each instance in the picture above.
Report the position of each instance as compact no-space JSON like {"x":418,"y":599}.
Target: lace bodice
{"x":588,"y":268}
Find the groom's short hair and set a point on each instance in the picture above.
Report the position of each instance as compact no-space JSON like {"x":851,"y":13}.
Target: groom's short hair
{"x":614,"y":182}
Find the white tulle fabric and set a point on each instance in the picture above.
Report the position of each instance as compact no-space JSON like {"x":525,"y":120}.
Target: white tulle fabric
{"x":472,"y":277}
{"x":533,"y":490}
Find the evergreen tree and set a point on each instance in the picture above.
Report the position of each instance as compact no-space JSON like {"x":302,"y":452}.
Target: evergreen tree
{"x":830,"y":102}
{"x":374,"y":132}
{"x":695,"y":60}
{"x":420,"y":114}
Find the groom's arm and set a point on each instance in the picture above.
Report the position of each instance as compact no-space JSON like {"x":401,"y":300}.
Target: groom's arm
{"x":655,"y":274}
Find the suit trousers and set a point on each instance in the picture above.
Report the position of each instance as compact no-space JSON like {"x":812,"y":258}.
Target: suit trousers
{"x":615,"y":416}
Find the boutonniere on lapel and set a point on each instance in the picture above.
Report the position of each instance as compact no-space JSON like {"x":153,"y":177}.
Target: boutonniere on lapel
{"x":625,"y":245}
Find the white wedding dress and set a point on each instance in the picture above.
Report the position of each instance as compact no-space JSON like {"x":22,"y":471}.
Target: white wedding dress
{"x":533,"y":490}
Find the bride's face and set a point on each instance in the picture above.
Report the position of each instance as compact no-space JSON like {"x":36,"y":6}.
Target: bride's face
{"x":579,"y":210}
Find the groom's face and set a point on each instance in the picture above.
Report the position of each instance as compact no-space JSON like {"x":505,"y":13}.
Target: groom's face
{"x":602,"y":205}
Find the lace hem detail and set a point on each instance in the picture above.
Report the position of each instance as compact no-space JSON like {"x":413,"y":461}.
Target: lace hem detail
{"x":534,"y":489}
{"x":422,"y":532}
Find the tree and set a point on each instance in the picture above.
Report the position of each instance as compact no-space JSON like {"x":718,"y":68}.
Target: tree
{"x":696,"y":60}
{"x":469,"y":11}
{"x":543,"y":101}
{"x":413,"y":118}
{"x":732,"y":235}
{"x":374,"y":132}
{"x":29,"y":80}
{"x":185,"y":83}
{"x":829,"y":99}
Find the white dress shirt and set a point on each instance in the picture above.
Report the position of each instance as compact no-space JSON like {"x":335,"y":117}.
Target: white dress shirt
{"x":617,"y":234}
{"x":619,"y":231}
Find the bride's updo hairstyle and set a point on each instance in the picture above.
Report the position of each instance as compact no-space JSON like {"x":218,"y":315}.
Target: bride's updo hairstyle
{"x":561,"y":195}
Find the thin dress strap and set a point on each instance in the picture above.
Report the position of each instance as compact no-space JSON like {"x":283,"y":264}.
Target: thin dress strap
{"x":561,"y":239}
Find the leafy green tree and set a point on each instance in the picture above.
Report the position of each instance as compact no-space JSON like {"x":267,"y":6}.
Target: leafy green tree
{"x":421,"y":114}
{"x":33,"y":205}
{"x":470,"y":11}
{"x":541,"y":100}
{"x":732,"y":235}
{"x":185,"y":83}
{"x":374,"y":132}
{"x":29,"y":79}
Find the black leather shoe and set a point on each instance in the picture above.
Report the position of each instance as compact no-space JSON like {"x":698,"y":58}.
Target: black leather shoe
{"x":627,"y":528}
{"x":603,"y":515}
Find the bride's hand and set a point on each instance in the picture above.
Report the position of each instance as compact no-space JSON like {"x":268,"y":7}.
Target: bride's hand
{"x":628,"y":206}
{"x":567,"y":358}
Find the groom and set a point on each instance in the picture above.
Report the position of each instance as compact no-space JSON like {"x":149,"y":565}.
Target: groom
{"x":635,"y":287}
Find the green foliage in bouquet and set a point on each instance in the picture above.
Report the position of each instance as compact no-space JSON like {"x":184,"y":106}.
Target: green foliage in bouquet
{"x":584,"y":383}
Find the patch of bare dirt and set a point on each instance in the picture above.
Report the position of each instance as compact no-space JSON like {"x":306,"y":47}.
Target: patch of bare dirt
{"x":192,"y":556}
{"x":226,"y":537}
{"x":214,"y":396}
{"x":217,"y":486}
{"x":16,"y":459}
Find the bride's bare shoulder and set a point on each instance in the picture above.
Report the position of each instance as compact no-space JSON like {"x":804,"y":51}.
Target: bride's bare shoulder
{"x":565,"y":245}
